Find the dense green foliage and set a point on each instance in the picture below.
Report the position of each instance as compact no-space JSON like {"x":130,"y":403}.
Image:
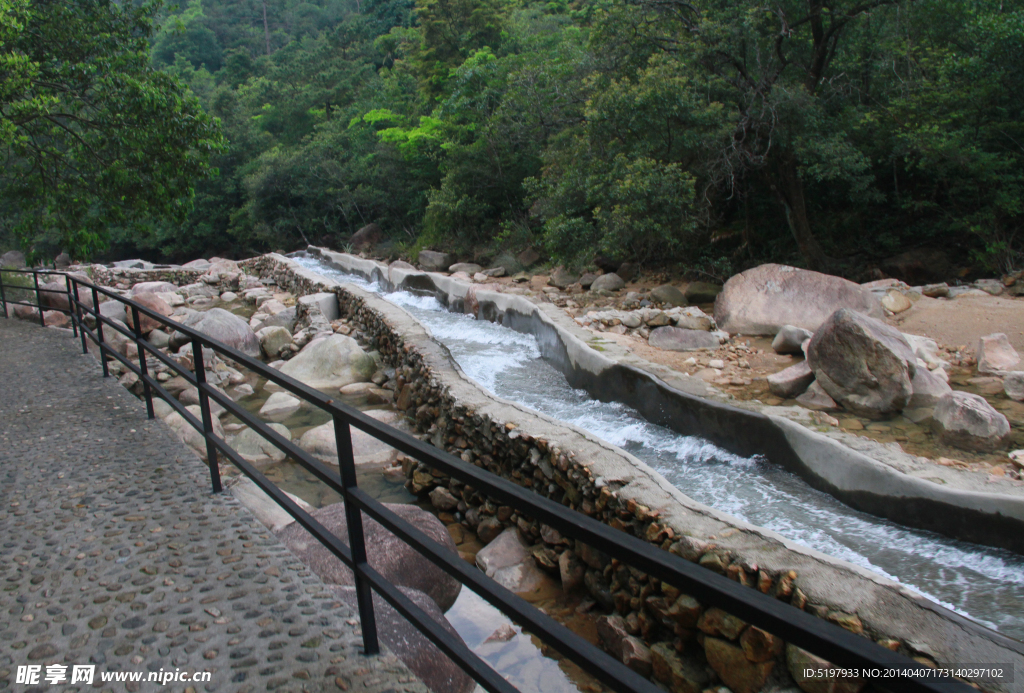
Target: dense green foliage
{"x":92,"y":137}
{"x":710,"y":134}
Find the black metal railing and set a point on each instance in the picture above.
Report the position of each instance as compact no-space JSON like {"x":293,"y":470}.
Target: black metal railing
{"x":813,"y":634}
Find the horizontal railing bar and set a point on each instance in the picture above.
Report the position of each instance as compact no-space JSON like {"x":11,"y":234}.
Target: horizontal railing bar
{"x":574,"y":647}
{"x":288,"y":447}
{"x":804,"y":630}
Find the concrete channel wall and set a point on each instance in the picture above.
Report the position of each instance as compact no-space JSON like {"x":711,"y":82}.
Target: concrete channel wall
{"x":589,"y":475}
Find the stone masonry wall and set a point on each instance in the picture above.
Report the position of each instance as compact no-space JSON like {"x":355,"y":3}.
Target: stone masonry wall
{"x":651,"y":625}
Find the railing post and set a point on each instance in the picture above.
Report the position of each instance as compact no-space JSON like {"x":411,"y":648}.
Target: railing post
{"x":71,"y":306}
{"x":142,"y":363}
{"x":356,"y":540}
{"x":78,"y":314}
{"x":99,"y":333}
{"x":39,"y":299}
{"x":204,"y":405}
{"x":3,"y":299}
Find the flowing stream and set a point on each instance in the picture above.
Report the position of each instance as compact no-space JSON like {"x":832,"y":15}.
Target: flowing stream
{"x":985,"y":584}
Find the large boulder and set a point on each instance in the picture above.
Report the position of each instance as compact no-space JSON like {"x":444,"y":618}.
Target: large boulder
{"x":680,"y":339}
{"x":764,"y":299}
{"x":862,"y":363}
{"x":155,"y":304}
{"x":366,"y":237}
{"x":395,"y":560}
{"x":225,"y":327}
{"x":13,"y":258}
{"x":996,"y":354}
{"x":367,"y":451}
{"x":668,"y":294}
{"x":405,"y":641}
{"x":608,"y":282}
{"x":328,"y":364}
{"x":152,"y":288}
{"x":968,"y":421}
{"x":433,"y":261}
{"x":469,"y":268}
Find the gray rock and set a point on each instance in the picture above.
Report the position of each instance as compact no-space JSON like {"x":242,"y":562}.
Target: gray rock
{"x":273,"y":339}
{"x":680,"y":339}
{"x":398,"y":562}
{"x":198,"y":264}
{"x":133,"y":264}
{"x":285,"y":318}
{"x":764,"y":299}
{"x":528,"y":257}
{"x":189,"y":435}
{"x":366,"y":237}
{"x":817,"y":399}
{"x":62,"y":261}
{"x":990,"y":286}
{"x":935,"y":290}
{"x":562,"y":278}
{"x":925,"y":349}
{"x":111,"y":309}
{"x":13,"y":258}
{"x":494,"y":272}
{"x":1013,"y":385}
{"x":226,"y":328}
{"x":587,"y":279}
{"x":328,"y":364}
{"x":632,"y":320}
{"x":257,"y":449}
{"x":152,"y":288}
{"x":928,"y":389}
{"x":862,"y":363}
{"x":789,"y":339}
{"x":433,"y":261}
{"x":469,"y":268}
{"x":608,"y":282}
{"x":324,"y":303}
{"x":669,"y":294}
{"x":279,"y":406}
{"x":153,"y":303}
{"x":968,"y":421}
{"x":792,"y":381}
{"x":996,"y":354}
{"x":367,"y":451}
{"x":702,"y":292}
{"x":508,"y":561}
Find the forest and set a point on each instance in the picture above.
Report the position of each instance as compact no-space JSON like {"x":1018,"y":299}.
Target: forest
{"x":704,"y":136}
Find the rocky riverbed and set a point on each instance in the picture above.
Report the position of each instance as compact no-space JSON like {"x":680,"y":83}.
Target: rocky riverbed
{"x":636,"y":633}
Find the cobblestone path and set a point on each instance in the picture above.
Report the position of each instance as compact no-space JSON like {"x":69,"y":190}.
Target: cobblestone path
{"x":114,"y":553}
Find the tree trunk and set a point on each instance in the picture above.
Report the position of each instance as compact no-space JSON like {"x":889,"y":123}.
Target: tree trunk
{"x":790,"y":191}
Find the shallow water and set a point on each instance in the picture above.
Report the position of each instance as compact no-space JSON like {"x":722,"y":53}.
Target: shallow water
{"x":986,"y":584}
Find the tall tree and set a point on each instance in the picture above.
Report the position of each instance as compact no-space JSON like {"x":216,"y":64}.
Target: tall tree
{"x":92,"y":136}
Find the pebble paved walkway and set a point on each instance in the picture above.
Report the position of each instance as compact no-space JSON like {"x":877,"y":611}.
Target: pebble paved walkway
{"x":114,"y":553}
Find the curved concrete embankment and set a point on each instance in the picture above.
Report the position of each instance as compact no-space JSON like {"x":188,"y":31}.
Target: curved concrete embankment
{"x":886,"y":609}
{"x":828,"y":465}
